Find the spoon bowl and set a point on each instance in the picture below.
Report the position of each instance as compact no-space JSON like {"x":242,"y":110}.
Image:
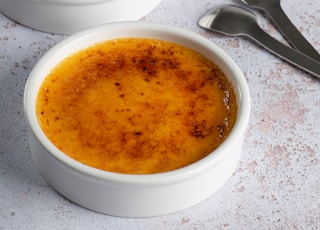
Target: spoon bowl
{"x":222,"y":19}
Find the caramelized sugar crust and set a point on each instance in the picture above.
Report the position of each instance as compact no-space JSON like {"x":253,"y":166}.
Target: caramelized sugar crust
{"x":136,"y":106}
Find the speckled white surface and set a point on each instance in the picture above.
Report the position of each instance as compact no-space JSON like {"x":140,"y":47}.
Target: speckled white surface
{"x":277,"y":183}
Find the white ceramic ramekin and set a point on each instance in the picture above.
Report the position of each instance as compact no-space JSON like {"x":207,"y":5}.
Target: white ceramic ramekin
{"x":136,"y":195}
{"x":70,"y":16}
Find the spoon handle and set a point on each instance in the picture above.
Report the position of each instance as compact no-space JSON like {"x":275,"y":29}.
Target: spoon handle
{"x":290,"y":32}
{"x":291,"y":55}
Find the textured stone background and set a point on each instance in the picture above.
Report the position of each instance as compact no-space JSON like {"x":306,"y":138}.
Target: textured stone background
{"x":277,"y":183}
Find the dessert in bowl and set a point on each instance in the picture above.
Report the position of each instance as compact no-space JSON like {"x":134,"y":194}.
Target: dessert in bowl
{"x":157,"y":143}
{"x":70,"y":16}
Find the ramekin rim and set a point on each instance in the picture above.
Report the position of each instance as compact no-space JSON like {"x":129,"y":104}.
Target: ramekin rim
{"x":165,"y":177}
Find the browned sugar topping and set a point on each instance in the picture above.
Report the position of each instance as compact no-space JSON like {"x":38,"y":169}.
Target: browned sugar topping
{"x":136,"y":106}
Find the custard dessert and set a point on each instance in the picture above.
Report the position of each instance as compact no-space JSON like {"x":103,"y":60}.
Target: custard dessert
{"x":136,"y":106}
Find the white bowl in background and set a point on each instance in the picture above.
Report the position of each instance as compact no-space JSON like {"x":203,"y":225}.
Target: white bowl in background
{"x":70,"y":16}
{"x":136,"y":195}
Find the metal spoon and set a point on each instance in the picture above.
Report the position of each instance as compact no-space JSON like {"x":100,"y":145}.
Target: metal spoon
{"x":290,"y":32}
{"x":236,"y":21}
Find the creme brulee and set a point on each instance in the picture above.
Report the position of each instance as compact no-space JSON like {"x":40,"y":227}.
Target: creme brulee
{"x":136,"y":106}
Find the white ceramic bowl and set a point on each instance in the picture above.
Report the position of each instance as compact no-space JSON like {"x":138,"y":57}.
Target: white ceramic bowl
{"x":136,"y":195}
{"x":70,"y":16}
